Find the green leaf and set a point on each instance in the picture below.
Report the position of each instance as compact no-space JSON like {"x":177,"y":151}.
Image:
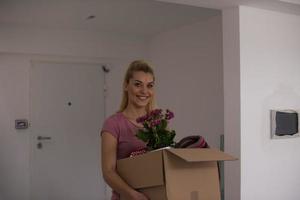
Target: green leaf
{"x":164,"y":124}
{"x":144,"y":136}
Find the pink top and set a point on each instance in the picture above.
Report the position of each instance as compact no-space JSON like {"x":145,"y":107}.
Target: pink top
{"x":124,"y":131}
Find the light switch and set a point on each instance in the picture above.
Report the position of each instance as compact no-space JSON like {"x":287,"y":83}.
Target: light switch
{"x":21,"y":123}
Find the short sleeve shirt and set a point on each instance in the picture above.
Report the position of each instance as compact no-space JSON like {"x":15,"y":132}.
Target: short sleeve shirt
{"x":124,"y":131}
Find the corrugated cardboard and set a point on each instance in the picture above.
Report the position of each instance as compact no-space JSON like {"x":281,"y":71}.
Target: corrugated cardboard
{"x":175,"y":174}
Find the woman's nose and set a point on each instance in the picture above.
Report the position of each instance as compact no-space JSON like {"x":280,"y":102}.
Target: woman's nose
{"x":144,"y":89}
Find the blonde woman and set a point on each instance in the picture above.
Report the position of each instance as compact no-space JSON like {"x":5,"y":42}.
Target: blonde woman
{"x":118,"y":132}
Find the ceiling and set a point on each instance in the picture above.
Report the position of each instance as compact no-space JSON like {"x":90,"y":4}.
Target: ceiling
{"x":142,"y":17}
{"x":139,"y":17}
{"x":287,"y":6}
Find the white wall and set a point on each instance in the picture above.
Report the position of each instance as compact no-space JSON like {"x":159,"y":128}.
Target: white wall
{"x":21,"y":45}
{"x":269,"y":50}
{"x":69,"y":42}
{"x":188,"y":63}
{"x":14,"y":145}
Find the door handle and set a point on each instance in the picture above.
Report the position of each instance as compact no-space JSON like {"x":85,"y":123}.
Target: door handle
{"x":43,"y":138}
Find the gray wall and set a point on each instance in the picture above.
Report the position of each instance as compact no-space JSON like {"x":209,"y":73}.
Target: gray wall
{"x":190,"y":77}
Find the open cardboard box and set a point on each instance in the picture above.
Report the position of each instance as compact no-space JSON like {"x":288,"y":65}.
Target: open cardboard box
{"x":175,"y":174}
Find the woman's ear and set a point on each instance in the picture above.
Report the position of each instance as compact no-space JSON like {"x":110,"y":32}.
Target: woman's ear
{"x":125,"y":87}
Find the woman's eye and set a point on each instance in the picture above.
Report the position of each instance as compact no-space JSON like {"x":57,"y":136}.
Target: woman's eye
{"x":150,"y":85}
{"x":137,"y":84}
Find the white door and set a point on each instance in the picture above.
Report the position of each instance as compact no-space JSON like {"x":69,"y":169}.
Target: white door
{"x":66,"y":115}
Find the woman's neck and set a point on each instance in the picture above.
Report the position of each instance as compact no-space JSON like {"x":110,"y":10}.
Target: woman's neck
{"x":133,"y":113}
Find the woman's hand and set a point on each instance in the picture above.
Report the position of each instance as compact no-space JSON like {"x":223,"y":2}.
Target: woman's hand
{"x":138,"y":196}
{"x":109,"y":159}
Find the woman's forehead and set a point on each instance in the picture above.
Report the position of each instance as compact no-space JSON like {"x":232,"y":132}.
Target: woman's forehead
{"x":142,"y":76}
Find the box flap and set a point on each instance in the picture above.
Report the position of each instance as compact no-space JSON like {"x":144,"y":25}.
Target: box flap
{"x":201,"y":154}
{"x":191,"y":180}
{"x":142,"y":171}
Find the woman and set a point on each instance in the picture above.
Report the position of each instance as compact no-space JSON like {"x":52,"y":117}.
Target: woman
{"x":118,"y":132}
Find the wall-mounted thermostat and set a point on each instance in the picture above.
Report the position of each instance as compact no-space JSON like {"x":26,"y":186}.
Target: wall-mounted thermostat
{"x":284,"y":124}
{"x":21,"y":123}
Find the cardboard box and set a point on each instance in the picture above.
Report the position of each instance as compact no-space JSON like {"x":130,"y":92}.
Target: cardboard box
{"x":175,"y":174}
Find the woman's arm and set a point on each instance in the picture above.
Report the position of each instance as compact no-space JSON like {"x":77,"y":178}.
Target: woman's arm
{"x":109,"y":160}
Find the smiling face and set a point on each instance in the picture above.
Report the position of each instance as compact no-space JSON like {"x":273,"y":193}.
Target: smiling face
{"x":140,"y":89}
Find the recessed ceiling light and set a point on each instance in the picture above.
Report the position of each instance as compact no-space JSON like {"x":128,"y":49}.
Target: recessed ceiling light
{"x":91,"y":17}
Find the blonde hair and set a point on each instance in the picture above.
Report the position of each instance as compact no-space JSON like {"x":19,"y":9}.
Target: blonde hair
{"x":136,"y":66}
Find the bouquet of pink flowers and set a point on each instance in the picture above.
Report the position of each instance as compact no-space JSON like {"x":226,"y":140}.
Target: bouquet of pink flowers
{"x":155,"y":132}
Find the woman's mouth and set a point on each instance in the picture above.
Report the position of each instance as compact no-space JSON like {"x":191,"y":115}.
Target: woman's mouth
{"x":143,"y":97}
